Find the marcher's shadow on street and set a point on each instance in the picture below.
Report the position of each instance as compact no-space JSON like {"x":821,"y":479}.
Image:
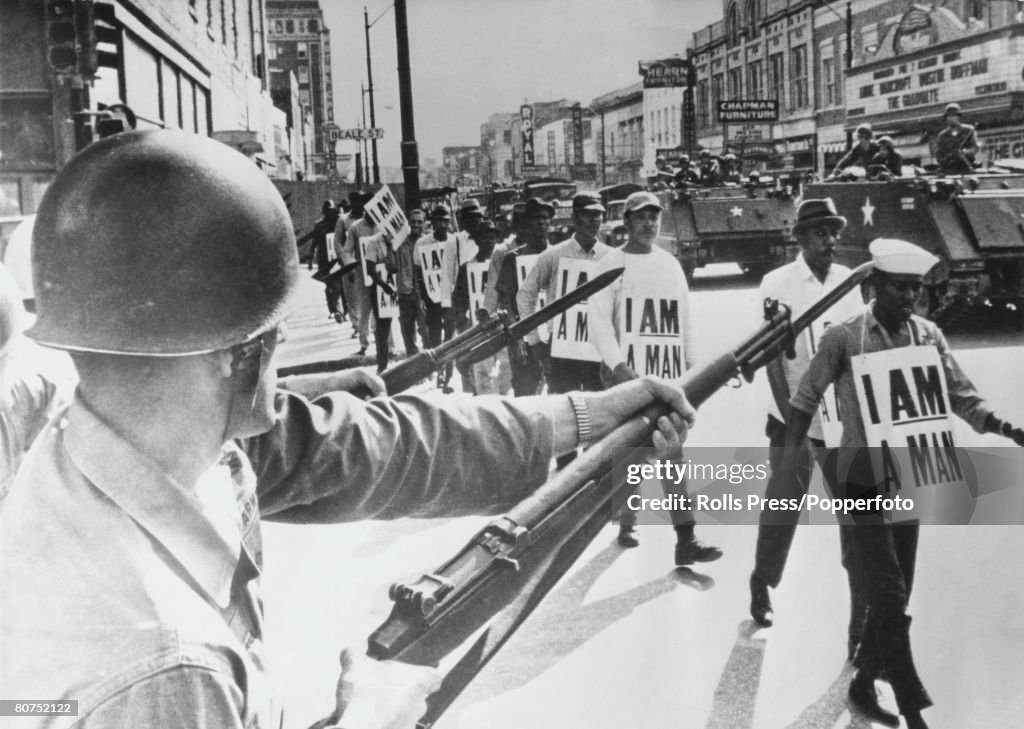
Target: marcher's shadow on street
{"x":563,"y":623}
{"x":736,"y":693}
{"x":825,"y":712}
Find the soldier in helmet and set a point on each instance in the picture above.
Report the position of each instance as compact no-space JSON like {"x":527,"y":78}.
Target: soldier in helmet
{"x":710,"y":174}
{"x":888,"y":163}
{"x":861,"y":153}
{"x":956,"y":145}
{"x":686,"y":175}
{"x":165,"y":264}
{"x":732,"y":173}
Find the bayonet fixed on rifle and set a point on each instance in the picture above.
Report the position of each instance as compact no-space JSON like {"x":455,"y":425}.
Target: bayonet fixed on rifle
{"x":506,"y":569}
{"x":473,"y":345}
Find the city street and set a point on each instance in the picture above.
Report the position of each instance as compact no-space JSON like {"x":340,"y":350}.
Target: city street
{"x":625,"y":640}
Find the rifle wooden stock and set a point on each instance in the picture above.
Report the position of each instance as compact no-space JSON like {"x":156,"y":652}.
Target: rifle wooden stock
{"x":517,"y":558}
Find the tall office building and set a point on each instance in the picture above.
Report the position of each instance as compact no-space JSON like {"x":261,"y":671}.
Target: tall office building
{"x":299,"y":43}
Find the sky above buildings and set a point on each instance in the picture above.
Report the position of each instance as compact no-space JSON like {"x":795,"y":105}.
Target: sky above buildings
{"x":474,"y":58}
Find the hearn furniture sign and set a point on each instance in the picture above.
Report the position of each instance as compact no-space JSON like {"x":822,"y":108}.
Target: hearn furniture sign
{"x":666,"y":73}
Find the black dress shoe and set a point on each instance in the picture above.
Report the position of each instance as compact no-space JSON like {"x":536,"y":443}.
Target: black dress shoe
{"x":693,"y":550}
{"x":864,"y":700}
{"x":760,"y":603}
{"x":627,"y":537}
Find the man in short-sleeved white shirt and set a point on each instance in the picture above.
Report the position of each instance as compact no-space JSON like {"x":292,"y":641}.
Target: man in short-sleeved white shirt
{"x":798,"y":285}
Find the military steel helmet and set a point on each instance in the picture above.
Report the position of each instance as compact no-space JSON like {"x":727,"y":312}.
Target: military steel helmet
{"x":160,"y":243}
{"x":953,"y":108}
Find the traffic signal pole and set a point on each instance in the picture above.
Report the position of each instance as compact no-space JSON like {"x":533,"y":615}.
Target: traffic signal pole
{"x":410,"y":152}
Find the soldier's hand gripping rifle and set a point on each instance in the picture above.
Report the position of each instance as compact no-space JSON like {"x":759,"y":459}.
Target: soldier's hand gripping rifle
{"x":511,"y":564}
{"x":479,"y":342}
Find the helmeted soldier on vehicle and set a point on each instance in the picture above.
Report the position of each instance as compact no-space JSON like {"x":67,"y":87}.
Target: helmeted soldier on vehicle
{"x":862,"y":152}
{"x":957,"y":144}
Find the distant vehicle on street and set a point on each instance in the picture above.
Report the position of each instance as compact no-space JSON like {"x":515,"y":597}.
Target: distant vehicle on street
{"x":613,"y":230}
{"x":747,"y":225}
{"x":971,"y":222}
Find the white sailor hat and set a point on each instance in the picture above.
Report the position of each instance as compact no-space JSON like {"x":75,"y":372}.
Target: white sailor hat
{"x":899,"y":257}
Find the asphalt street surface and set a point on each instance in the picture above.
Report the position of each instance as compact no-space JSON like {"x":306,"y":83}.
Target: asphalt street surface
{"x":626,"y":640}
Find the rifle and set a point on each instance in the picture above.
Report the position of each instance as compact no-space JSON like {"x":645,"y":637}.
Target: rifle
{"x":488,"y":337}
{"x":508,"y":567}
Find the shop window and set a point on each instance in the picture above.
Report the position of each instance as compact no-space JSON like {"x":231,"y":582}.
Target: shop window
{"x":26,"y":132}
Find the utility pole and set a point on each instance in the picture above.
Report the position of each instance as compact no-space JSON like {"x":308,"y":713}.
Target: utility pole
{"x":410,"y":152}
{"x":369,"y":90}
{"x":362,"y":142}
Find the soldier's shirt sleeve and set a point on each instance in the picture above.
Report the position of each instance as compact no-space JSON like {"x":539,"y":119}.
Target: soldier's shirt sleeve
{"x":825,"y":367}
{"x":338,"y":458}
{"x":185,"y":697}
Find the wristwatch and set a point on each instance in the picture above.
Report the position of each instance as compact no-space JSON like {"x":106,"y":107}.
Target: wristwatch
{"x":579,"y":407}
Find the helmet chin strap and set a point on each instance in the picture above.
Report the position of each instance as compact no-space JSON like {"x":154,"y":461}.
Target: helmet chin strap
{"x":249,"y":363}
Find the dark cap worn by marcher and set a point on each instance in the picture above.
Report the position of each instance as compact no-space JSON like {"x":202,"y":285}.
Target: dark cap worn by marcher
{"x":640,"y":201}
{"x":812,"y":213}
{"x":864,"y":130}
{"x":486,"y":226}
{"x":535,"y":206}
{"x":953,"y":108}
{"x":440,"y":212}
{"x":471,"y":206}
{"x":585,"y":201}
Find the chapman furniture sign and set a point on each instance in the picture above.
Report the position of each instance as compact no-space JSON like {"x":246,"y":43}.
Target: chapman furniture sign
{"x":748,"y":110}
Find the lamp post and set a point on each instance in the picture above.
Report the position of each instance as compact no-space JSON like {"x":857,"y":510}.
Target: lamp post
{"x":369,"y":87}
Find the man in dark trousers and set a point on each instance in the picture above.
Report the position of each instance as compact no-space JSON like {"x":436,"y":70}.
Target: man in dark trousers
{"x":798,"y":285}
{"x":527,"y":375}
{"x":564,"y":375}
{"x":325,"y":255}
{"x":427,"y":255}
{"x":867,"y":348}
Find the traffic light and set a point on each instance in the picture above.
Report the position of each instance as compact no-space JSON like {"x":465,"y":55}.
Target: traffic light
{"x":97,"y":25}
{"x":82,"y":36}
{"x":61,"y":36}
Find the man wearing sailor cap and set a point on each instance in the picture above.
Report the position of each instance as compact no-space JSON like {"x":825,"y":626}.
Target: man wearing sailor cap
{"x":883,"y":552}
